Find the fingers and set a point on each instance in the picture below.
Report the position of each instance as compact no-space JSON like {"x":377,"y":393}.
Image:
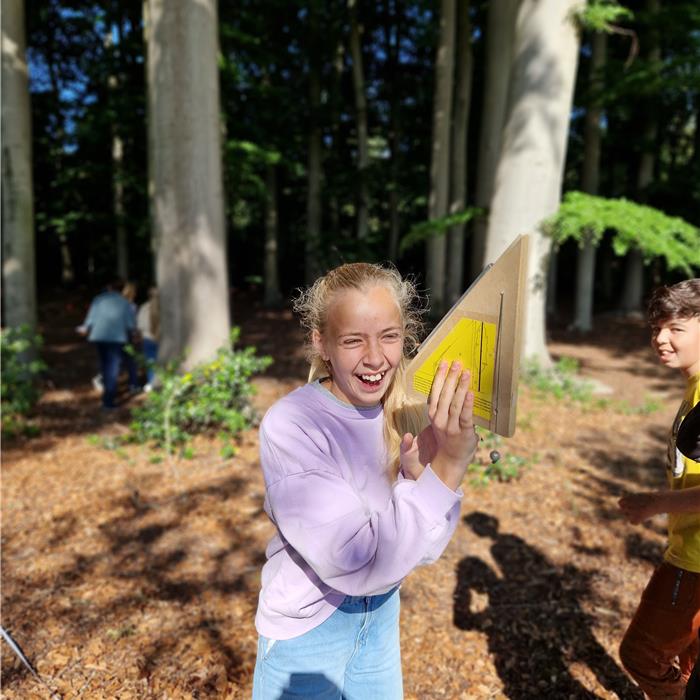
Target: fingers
{"x":407,"y":442}
{"x":436,"y":388}
{"x":458,"y":418}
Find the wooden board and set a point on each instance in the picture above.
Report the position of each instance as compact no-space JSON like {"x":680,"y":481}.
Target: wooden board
{"x":484,"y":331}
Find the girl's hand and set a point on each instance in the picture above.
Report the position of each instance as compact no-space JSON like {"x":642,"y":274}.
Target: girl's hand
{"x":450,"y":407}
{"x":410,"y":457}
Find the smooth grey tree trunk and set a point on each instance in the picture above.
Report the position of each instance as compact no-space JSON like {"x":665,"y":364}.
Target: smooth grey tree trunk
{"x":500,"y":35}
{"x":186,"y":181}
{"x":272,"y":288}
{"x":440,"y":160}
{"x":460,"y":130}
{"x":530,"y":168}
{"x":358,"y":82}
{"x":18,"y":266}
{"x":590,"y":179}
{"x":312,"y":268}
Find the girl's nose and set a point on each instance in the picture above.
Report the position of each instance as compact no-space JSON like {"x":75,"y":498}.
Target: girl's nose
{"x":373,"y":358}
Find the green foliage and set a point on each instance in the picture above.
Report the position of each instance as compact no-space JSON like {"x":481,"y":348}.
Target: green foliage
{"x":507,"y":468}
{"x":560,"y":381}
{"x":212,"y":396}
{"x":19,"y":350}
{"x":437,"y":227}
{"x":600,"y":15}
{"x":584,"y":217}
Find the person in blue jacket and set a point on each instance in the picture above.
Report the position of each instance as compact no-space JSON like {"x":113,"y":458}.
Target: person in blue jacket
{"x":109,"y":324}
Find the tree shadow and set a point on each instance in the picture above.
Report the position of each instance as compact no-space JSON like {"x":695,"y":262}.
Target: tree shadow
{"x":151,"y":557}
{"x":534,"y":621}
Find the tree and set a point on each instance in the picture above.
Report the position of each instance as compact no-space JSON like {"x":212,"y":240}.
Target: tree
{"x":18,"y":271}
{"x":590,"y":178}
{"x":358,"y":81}
{"x":186,"y":180}
{"x":499,"y":55}
{"x":530,"y":168}
{"x":314,"y":155}
{"x":440,"y":161}
{"x":460,"y":129}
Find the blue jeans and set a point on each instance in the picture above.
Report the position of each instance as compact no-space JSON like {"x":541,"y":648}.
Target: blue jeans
{"x":353,"y":655}
{"x":110,"y":355}
{"x":150,"y":352}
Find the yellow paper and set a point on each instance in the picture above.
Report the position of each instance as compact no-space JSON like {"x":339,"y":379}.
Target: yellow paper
{"x":473,"y":343}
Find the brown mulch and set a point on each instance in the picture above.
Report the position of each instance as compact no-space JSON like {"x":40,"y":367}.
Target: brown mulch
{"x":125,"y":577}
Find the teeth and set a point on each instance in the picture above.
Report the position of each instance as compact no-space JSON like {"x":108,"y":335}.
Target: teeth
{"x":372,"y":377}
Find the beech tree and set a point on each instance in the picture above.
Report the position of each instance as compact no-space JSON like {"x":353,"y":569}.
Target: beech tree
{"x":460,"y":129}
{"x":499,"y":55}
{"x":185,"y":179}
{"x":18,"y":270}
{"x":530,"y":168}
{"x":440,"y":160}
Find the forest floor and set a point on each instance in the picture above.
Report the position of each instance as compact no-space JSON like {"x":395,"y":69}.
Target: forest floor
{"x":124,"y":577}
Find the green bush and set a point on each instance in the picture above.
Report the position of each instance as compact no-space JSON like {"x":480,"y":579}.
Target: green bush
{"x":508,"y":466}
{"x":19,"y":349}
{"x":560,"y":381}
{"x":212,"y":396}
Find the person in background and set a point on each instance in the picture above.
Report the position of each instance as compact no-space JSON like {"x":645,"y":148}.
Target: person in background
{"x":128,"y":357}
{"x":148,"y":324}
{"x":660,"y":646}
{"x":109,"y":325}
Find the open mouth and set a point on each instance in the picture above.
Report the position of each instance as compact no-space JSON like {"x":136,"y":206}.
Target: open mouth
{"x":372,"y":380}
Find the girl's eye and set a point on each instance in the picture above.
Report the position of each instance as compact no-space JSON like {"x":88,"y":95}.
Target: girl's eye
{"x":392,"y":336}
{"x":351,"y":341}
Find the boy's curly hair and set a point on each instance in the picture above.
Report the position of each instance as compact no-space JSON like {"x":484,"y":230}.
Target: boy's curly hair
{"x":681,"y":300}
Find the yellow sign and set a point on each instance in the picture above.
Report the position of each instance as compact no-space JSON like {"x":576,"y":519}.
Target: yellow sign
{"x":473,"y":343}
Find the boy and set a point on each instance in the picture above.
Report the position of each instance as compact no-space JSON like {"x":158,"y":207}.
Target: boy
{"x":661,"y":643}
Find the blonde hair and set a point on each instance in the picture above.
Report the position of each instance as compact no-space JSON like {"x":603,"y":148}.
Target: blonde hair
{"x":129,"y":291}
{"x":401,"y":415}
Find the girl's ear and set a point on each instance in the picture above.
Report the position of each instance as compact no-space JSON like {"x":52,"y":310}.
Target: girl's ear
{"x":317,"y":342}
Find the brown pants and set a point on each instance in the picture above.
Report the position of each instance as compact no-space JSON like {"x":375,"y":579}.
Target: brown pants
{"x":661,"y":643}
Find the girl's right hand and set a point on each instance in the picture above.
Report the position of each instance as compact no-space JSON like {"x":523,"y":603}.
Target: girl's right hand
{"x":450,"y":409}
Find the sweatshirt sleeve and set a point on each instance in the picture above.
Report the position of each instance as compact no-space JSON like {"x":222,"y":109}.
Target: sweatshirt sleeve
{"x":351,"y":549}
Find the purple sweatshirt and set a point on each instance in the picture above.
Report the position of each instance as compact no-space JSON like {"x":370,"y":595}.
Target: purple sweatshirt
{"x":342,"y":527}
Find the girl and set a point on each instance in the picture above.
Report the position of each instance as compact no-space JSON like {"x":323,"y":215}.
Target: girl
{"x":360,"y":490}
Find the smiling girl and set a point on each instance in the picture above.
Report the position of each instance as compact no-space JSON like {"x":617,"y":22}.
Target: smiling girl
{"x":362,"y":487}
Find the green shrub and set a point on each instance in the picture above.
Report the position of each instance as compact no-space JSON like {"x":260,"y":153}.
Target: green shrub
{"x":560,"y":381}
{"x":213,"y":396}
{"x":19,"y":349}
{"x":507,"y":467}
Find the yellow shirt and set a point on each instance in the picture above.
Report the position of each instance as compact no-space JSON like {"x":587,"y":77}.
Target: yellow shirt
{"x":683,"y":473}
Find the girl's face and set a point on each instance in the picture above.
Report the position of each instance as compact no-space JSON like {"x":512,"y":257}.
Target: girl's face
{"x":677,"y":343}
{"x":363,"y":342}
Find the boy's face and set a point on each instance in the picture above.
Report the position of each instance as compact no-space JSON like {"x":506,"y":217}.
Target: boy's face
{"x":677,"y":343}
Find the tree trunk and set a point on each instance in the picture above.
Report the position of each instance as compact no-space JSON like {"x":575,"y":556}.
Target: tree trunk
{"x":358,"y":81}
{"x":272,"y":289}
{"x":312,"y":268}
{"x":500,"y":35}
{"x":440,"y":161}
{"x":530,"y":169}
{"x":460,"y":130}
{"x":18,"y":266}
{"x":590,"y":178}
{"x":392,"y":31}
{"x":633,"y":291}
{"x":186,"y":181}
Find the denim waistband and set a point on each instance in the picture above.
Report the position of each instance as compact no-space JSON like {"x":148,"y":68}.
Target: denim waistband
{"x":372,"y":600}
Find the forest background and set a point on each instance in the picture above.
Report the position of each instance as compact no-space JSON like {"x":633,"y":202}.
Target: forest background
{"x":229,"y":153}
